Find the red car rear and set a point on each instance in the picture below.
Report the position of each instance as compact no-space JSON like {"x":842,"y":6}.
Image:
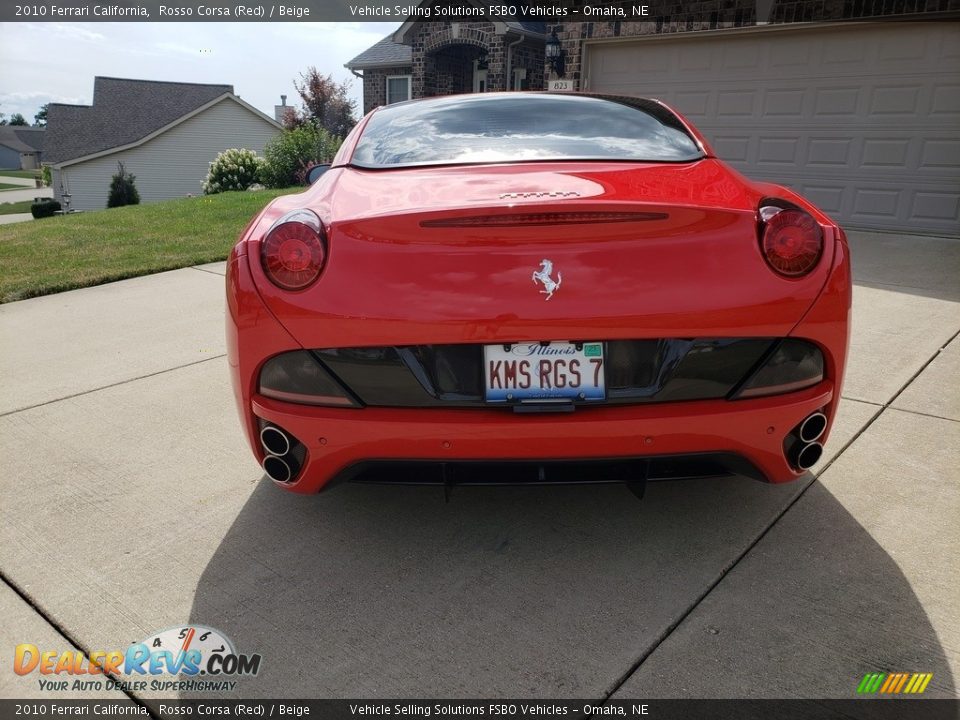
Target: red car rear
{"x":537,"y":288}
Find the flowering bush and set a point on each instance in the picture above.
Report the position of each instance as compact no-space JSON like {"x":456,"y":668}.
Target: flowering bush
{"x":234,"y":169}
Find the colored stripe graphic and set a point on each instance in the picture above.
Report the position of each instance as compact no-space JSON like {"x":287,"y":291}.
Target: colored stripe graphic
{"x":870,"y":683}
{"x":891,"y":682}
{"x":894,"y":683}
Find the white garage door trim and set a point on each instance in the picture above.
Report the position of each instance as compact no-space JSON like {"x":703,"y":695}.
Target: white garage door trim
{"x":861,"y":118}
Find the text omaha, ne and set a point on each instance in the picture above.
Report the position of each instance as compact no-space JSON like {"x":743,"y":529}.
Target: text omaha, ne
{"x":428,"y":12}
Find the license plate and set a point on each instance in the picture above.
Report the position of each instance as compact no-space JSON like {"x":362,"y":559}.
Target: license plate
{"x":527,"y":372}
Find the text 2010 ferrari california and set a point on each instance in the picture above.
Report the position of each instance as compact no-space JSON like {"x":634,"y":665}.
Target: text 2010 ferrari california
{"x":536,"y":287}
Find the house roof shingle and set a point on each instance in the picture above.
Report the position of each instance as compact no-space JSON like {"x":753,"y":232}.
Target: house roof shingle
{"x":123,"y":112}
{"x":22,"y":139}
{"x":385,"y":53}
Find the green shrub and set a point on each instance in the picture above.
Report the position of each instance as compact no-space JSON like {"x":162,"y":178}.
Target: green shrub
{"x":123,"y":191}
{"x":45,"y":176}
{"x":289,"y":154}
{"x":234,"y":169}
{"x":44,"y":208}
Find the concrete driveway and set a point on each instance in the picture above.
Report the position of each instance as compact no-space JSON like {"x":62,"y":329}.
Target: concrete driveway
{"x":131,"y":504}
{"x":28,"y":193}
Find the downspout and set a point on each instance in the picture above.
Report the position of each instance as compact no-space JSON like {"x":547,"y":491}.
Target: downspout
{"x":510,"y":47}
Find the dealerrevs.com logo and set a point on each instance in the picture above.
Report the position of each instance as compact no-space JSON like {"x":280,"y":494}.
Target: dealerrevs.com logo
{"x":191,"y":658}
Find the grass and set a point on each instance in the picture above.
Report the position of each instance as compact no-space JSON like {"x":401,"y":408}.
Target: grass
{"x":20,"y":173}
{"x":8,"y":186}
{"x":15,"y":207}
{"x":82,"y":249}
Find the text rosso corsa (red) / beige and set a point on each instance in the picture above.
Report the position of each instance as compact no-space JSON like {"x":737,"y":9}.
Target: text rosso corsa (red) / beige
{"x":235,"y":709}
{"x":235,"y":11}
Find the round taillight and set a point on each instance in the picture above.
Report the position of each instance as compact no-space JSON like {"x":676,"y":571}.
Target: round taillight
{"x":293,"y":254}
{"x":792,"y":242}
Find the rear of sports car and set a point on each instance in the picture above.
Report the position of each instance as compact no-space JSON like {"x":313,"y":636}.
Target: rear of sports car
{"x":536,"y":288}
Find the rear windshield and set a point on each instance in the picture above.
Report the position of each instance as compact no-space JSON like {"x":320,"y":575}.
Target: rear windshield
{"x":522,"y":127}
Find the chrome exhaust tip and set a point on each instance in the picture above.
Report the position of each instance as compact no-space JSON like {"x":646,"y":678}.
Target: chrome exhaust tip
{"x":813,"y":427}
{"x":274,"y":441}
{"x":277,"y":469}
{"x":809,"y":456}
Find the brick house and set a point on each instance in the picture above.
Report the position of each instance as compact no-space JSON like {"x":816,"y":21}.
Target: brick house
{"x":422,"y":59}
{"x":860,"y":116}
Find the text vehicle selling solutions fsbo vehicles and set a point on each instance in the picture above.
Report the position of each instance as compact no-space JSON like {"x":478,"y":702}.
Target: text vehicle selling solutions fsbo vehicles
{"x":536,"y":287}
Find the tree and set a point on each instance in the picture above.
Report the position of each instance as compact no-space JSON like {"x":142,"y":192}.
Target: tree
{"x":17,"y":119}
{"x":40,"y":119}
{"x":325,"y":103}
{"x":122,"y":189}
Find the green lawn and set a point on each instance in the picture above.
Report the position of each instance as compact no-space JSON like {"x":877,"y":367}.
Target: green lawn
{"x":70,"y":251}
{"x":15,"y":207}
{"x":9,"y":186}
{"x":20,"y":173}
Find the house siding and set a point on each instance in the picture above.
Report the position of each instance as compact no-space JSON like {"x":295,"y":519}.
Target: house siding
{"x":55,"y":183}
{"x":9,"y":158}
{"x":173,"y":164}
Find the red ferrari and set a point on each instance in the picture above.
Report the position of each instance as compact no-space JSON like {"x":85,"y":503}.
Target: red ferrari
{"x":536,"y":287}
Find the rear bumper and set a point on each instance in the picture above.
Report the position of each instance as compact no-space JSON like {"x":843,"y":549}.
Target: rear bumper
{"x":339,"y":439}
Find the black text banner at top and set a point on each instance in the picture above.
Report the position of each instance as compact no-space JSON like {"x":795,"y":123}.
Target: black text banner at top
{"x":328,"y":11}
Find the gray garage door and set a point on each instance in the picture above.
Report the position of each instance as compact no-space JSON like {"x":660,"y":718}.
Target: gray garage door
{"x":863,"y":119}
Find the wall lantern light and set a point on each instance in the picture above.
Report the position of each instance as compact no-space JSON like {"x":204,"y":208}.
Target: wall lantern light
{"x":555,"y":55}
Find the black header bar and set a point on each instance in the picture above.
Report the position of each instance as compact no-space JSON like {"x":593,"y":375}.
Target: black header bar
{"x":510,"y":709}
{"x":329,"y":11}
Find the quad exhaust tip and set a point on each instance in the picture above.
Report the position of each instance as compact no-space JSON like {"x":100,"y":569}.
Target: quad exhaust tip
{"x":277,"y":469}
{"x":813,"y":427}
{"x":809,"y":456}
{"x":275,"y":441}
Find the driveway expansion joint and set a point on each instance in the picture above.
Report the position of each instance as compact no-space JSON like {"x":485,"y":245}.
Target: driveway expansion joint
{"x":882,"y":408}
{"x":923,"y":414}
{"x":63,"y":632}
{"x":209,"y":272}
{"x":111,"y":385}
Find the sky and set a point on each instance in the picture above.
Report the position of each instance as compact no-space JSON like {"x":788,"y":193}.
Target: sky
{"x":56,"y":62}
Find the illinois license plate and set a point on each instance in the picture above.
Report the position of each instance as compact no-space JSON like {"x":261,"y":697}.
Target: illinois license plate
{"x":534,"y":371}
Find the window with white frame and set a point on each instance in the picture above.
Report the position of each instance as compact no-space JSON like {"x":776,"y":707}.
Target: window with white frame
{"x":398,"y":88}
